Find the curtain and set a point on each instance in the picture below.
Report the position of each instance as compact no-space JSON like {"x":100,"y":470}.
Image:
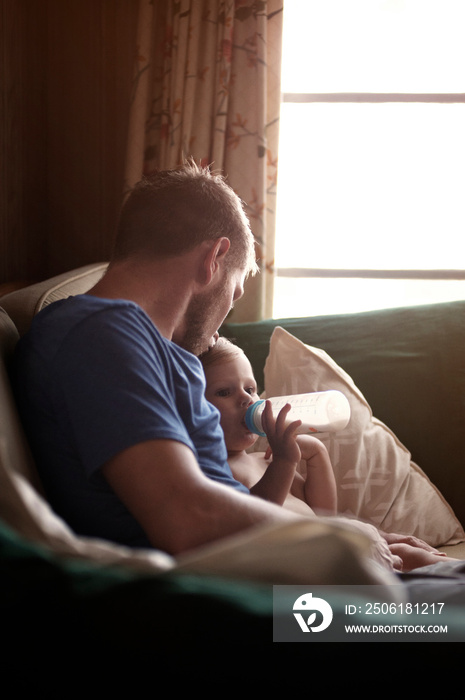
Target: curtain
{"x":207,"y":86}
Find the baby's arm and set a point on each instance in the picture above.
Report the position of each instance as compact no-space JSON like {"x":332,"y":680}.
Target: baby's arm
{"x":276,"y":482}
{"x":320,"y":484}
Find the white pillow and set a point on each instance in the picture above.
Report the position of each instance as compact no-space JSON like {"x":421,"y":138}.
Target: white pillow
{"x":376,"y":479}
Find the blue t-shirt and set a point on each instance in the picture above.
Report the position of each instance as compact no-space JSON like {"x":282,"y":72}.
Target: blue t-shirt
{"x":94,"y":377}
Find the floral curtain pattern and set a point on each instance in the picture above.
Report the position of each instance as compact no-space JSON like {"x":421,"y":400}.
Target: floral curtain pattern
{"x":207,"y":86}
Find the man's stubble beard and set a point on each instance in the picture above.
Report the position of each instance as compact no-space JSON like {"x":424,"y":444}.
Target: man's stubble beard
{"x":201,"y":321}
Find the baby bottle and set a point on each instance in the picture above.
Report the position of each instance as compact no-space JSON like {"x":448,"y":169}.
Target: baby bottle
{"x":319,"y":411}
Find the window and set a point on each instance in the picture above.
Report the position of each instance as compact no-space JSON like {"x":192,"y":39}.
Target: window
{"x":371,"y":183}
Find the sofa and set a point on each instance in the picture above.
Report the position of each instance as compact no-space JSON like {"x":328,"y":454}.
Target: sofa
{"x":399,"y":466}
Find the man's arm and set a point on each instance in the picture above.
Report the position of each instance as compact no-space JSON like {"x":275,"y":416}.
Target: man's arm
{"x":162,"y":485}
{"x":180,"y":508}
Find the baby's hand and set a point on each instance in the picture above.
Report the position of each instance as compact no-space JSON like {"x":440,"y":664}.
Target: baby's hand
{"x":281,"y":435}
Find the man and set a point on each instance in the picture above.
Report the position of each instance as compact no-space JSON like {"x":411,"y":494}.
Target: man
{"x":111,"y":391}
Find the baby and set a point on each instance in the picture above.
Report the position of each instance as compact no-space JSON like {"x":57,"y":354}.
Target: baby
{"x":273,"y":474}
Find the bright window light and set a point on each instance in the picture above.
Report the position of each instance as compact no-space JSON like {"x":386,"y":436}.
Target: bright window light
{"x":369,"y":179}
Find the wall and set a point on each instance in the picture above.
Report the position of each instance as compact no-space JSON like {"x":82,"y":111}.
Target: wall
{"x":65,"y":86}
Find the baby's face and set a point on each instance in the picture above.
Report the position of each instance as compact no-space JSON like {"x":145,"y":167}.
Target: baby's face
{"x":231,"y":387}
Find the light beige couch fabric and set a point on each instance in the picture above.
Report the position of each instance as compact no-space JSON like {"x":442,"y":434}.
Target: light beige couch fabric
{"x":22,"y":304}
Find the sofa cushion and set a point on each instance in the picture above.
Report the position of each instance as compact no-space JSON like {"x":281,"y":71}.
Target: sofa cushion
{"x":409,"y":363}
{"x":22,"y":304}
{"x":377,"y":480}
{"x":13,"y":444}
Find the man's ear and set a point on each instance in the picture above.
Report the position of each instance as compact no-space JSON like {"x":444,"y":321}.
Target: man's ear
{"x":215,"y":256}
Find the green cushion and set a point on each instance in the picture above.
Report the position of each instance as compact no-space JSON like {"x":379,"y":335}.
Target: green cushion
{"x":60,"y":601}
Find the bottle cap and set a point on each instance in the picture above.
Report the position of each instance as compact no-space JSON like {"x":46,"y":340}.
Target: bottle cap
{"x":249,"y":418}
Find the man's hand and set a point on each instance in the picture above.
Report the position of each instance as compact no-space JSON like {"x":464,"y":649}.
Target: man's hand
{"x":393,"y":538}
{"x":380,"y":550}
{"x":412,"y":551}
{"x":414,"y":557}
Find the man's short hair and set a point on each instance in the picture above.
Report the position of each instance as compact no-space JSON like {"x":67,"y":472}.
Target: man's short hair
{"x":172,"y":211}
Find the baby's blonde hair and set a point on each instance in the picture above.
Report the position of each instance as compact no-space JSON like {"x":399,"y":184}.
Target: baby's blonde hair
{"x":223,"y":351}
